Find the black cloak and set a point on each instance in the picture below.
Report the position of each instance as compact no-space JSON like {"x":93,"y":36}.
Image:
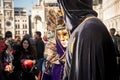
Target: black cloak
{"x":90,"y":54}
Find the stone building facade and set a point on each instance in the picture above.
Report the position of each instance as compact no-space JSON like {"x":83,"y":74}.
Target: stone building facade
{"x":109,"y":13}
{"x":21,"y":22}
{"x":39,"y":14}
{"x":10,"y":17}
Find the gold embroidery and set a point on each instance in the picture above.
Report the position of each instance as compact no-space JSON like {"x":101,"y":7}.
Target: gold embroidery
{"x":72,"y":45}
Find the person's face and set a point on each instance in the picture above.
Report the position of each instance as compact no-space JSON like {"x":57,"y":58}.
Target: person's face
{"x":9,"y":39}
{"x":25,"y":44}
{"x":36,"y":36}
{"x":112,"y":32}
{"x":63,"y":36}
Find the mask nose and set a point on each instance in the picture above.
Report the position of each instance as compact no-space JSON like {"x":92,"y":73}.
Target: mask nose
{"x":62,"y":38}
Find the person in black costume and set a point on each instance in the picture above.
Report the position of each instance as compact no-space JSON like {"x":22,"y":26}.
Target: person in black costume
{"x":90,"y":54}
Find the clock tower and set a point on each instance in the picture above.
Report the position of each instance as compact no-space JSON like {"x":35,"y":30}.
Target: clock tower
{"x":8,"y":15}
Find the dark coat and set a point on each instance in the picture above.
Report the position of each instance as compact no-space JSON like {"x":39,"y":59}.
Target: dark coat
{"x":19,"y":71}
{"x":91,"y":53}
{"x":40,"y":48}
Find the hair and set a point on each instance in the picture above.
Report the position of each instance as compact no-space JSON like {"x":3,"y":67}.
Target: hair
{"x":31,"y":49}
{"x":27,"y":36}
{"x":113,"y":30}
{"x":8,"y":34}
{"x":38,"y":33}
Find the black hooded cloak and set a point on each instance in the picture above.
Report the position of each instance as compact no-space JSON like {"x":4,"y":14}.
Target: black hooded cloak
{"x":90,"y":54}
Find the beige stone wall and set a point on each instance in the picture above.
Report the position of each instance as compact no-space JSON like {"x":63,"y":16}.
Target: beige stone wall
{"x":38,"y":19}
{"x":111,"y":14}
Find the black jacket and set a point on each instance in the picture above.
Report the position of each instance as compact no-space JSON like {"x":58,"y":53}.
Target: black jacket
{"x":40,"y":49}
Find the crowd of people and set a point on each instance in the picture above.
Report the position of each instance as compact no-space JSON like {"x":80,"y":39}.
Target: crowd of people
{"x":19,"y":57}
{"x":82,"y":49}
